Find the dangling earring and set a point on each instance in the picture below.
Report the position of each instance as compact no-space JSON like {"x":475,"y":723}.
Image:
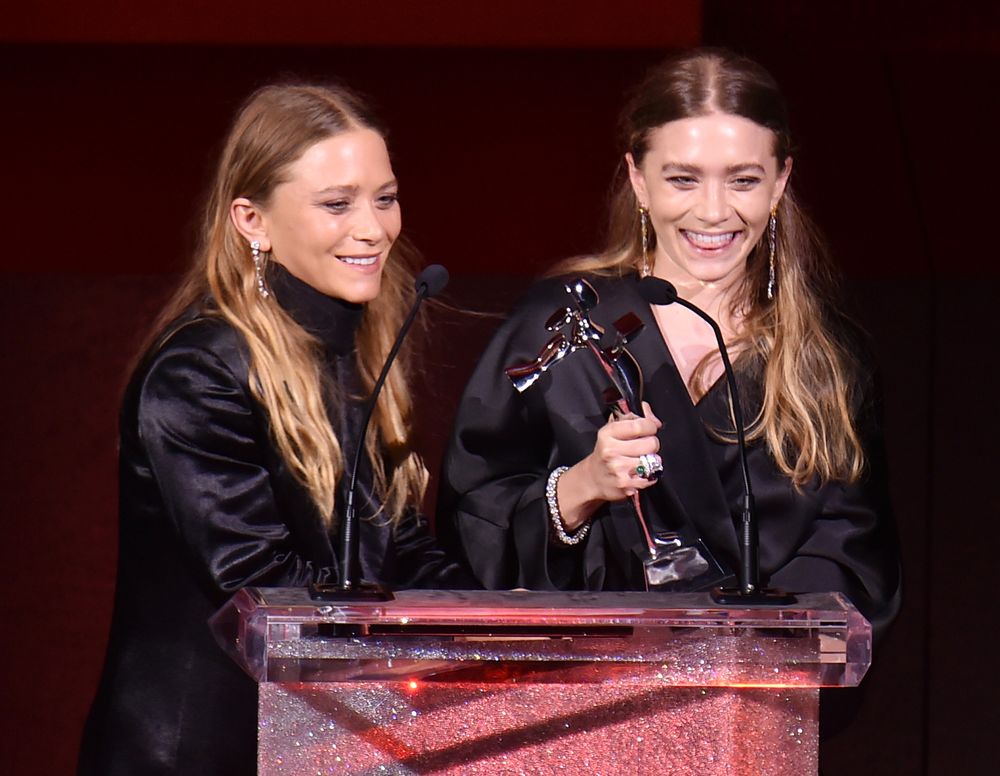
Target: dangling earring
{"x":644,"y":228}
{"x":258,"y":268}
{"x":772,"y":245}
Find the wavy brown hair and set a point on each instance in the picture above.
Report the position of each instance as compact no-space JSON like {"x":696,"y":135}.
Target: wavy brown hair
{"x":806,"y":416}
{"x":275,"y":126}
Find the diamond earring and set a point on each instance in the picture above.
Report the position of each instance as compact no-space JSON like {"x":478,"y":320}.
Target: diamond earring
{"x":258,"y":268}
{"x":772,"y":245}
{"x":644,"y":228}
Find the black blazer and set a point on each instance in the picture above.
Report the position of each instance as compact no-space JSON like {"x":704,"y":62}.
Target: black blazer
{"x":836,"y":537}
{"x":207,"y":506}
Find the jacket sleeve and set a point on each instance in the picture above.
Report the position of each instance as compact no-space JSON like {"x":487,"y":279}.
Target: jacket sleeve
{"x":421,"y":562}
{"x":206,"y":448}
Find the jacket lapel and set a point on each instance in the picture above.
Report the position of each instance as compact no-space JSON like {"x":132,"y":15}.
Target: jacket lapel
{"x":689,"y":495}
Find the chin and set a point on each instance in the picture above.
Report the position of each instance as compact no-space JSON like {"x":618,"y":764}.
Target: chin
{"x":357,"y":295}
{"x":356,"y":290}
{"x":724,"y":271}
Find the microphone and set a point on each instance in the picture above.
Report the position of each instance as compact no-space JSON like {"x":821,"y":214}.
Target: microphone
{"x":430,"y":282}
{"x":661,"y":292}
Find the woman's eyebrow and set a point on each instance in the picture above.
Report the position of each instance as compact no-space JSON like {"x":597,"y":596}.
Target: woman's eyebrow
{"x":733,"y":168}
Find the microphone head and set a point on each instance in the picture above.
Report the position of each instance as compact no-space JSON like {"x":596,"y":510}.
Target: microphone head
{"x":432,"y":280}
{"x":657,"y":290}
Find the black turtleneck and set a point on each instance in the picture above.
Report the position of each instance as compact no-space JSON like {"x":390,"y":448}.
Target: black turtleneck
{"x":334,"y":322}
{"x":331,"y":320}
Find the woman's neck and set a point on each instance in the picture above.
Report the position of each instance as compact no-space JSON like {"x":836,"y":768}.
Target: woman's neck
{"x":691,"y":340}
{"x":714,"y":298}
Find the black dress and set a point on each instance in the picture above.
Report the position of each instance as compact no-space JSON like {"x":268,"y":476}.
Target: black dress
{"x":492,"y":509}
{"x":207,"y":506}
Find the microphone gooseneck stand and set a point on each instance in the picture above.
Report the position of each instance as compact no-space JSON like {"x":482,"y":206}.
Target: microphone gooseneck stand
{"x":351,"y":588}
{"x":661,"y":292}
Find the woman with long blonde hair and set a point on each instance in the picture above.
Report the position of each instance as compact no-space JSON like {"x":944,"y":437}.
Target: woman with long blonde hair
{"x":240,"y":416}
{"x":537,"y":482}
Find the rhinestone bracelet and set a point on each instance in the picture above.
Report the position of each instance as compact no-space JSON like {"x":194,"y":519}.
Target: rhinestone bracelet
{"x":557,"y":522}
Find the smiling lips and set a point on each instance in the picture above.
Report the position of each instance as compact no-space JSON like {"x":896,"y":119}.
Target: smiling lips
{"x":360,"y":261}
{"x":709,"y":241}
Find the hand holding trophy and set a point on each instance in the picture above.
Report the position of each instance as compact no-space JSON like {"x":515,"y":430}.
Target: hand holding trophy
{"x":673,"y":562}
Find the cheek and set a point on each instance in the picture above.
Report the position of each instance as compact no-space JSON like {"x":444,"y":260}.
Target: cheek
{"x":325,"y":231}
{"x":755,"y":210}
{"x":393,"y":224}
{"x":668,"y":207}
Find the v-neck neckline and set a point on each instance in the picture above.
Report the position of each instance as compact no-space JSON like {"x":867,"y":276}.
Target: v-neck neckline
{"x":720,"y":379}
{"x":690,"y":489}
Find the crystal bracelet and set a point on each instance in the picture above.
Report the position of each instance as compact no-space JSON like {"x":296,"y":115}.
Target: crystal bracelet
{"x":557,"y":522}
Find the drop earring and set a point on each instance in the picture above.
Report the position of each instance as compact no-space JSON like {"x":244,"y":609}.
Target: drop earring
{"x":644,"y":229}
{"x":258,"y":268}
{"x":772,"y":245}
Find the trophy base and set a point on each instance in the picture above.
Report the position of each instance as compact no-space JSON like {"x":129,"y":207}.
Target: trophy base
{"x":678,"y":565}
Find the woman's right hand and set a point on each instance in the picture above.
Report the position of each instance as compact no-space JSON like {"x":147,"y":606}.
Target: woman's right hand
{"x":609,"y":472}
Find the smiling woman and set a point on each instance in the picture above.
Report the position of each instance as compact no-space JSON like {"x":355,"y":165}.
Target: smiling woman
{"x":237,"y":421}
{"x":537,"y":485}
{"x":708,"y":184}
{"x":334,"y":237}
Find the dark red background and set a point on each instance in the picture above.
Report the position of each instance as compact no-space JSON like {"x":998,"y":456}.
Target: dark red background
{"x":502,"y":117}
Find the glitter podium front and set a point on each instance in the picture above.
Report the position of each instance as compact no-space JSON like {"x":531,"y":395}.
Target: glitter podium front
{"x":540,"y":683}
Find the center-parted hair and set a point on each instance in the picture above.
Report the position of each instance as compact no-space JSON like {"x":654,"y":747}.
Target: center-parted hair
{"x":806,"y":417}
{"x":275,"y":126}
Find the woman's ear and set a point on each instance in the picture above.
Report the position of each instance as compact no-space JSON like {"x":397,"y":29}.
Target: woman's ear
{"x":637,"y":180}
{"x":779,"y":185}
{"x":249,"y":222}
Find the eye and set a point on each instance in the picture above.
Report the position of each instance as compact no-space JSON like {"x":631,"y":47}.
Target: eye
{"x":337,"y":205}
{"x":683,"y":181}
{"x":386,"y":201}
{"x":745,"y":182}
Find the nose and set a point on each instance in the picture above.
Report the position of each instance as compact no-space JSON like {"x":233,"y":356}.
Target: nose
{"x":367,"y":226}
{"x":712,"y":206}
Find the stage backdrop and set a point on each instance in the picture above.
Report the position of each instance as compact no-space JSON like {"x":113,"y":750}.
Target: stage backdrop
{"x":502,"y":118}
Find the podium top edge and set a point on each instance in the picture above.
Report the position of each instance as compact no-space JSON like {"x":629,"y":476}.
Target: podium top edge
{"x":456,"y":607}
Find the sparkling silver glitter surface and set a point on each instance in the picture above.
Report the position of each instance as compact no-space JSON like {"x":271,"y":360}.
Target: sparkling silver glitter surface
{"x":458,"y":728}
{"x":541,"y":683}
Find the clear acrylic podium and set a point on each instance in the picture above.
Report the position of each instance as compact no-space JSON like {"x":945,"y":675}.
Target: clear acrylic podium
{"x":540,"y":683}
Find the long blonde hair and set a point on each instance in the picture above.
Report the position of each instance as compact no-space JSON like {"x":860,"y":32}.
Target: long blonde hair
{"x":806,"y":417}
{"x":272,"y":130}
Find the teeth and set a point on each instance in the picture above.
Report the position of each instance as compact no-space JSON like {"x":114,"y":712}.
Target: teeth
{"x":710,"y":240}
{"x":366,"y":261}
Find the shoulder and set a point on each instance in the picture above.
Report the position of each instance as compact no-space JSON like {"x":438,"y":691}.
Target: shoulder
{"x":856,"y":347}
{"x":549,"y":295}
{"x":859,"y":376}
{"x":200,"y":333}
{"x":197,"y":360}
{"x":847,"y":332}
{"x":541,"y":294}
{"x":198,"y":339}
{"x":192,"y":394}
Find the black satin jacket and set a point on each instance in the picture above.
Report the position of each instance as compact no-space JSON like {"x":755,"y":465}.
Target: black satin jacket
{"x":492,"y":510}
{"x":207,"y":506}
